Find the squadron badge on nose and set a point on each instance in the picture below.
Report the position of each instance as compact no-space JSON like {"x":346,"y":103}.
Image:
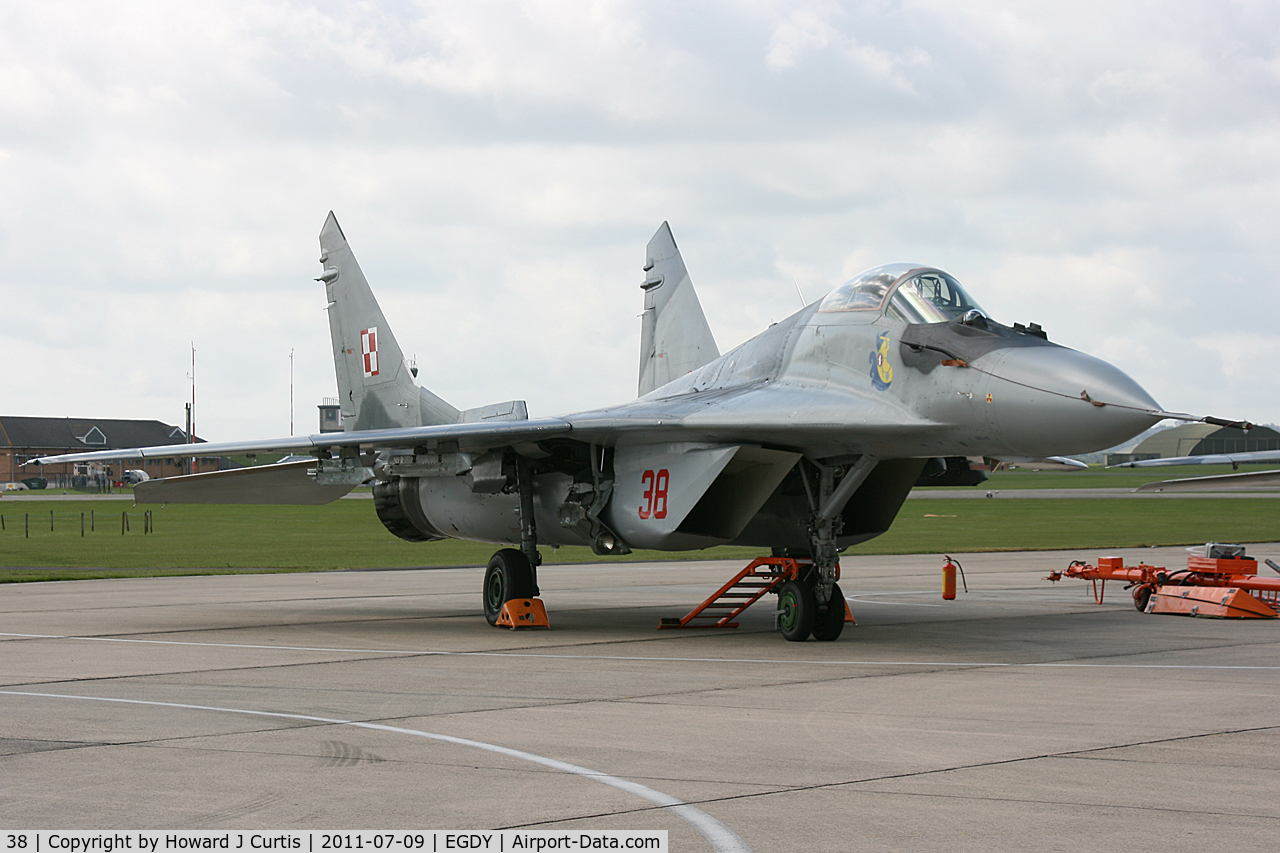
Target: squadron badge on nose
{"x":881,"y":369}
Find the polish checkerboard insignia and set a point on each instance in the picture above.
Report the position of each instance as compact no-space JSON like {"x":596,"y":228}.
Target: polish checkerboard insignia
{"x":369,"y":347}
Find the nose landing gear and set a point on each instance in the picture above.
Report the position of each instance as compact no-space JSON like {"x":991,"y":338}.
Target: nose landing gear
{"x":800,"y":615}
{"x":794,"y":580}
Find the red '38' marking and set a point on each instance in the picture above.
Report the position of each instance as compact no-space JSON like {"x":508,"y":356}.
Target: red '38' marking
{"x":654,"y":500}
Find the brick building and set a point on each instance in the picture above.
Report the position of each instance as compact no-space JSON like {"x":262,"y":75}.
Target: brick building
{"x":23,"y":438}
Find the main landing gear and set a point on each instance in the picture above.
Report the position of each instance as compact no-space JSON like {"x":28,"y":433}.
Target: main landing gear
{"x":508,"y":576}
{"x":511,"y":578}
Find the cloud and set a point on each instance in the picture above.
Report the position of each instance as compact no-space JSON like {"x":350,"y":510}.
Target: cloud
{"x":499,"y":167}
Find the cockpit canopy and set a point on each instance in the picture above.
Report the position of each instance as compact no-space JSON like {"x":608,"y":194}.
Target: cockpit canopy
{"x":907,"y":292}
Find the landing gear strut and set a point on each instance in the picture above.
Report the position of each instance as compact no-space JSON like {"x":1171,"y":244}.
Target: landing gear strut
{"x":528,"y":526}
{"x":813,"y":604}
{"x":513,"y":574}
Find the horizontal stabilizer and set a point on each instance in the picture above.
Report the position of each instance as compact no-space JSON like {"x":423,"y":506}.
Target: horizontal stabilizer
{"x":512,"y":410}
{"x":267,"y":484}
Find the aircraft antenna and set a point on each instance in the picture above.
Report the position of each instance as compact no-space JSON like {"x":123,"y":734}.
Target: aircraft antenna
{"x":803,"y":302}
{"x":191,"y":424}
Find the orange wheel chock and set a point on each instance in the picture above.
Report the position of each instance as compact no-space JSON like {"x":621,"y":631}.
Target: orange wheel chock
{"x":523,"y":613}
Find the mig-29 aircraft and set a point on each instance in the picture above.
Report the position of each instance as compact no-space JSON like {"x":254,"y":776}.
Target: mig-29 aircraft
{"x":805,"y":439}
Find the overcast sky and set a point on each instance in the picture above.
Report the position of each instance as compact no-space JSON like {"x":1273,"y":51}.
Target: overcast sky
{"x":1106,"y":169}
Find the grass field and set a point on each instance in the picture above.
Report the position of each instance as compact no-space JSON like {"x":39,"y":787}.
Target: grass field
{"x":347,"y":534}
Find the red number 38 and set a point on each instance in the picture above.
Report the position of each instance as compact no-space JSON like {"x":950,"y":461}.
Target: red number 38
{"x":654,"y":500}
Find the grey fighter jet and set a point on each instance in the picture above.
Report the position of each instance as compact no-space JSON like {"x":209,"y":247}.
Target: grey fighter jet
{"x":805,"y":439}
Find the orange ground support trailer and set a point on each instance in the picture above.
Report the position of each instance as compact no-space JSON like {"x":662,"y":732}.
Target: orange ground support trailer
{"x":1222,"y":583}
{"x":1216,"y":602}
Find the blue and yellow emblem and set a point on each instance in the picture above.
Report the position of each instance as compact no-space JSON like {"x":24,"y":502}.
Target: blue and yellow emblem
{"x":881,"y":369}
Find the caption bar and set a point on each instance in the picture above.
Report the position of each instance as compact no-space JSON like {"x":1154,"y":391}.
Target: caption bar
{"x":308,"y":841}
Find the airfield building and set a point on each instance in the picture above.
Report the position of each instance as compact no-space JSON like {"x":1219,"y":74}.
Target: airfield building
{"x":23,"y":438}
{"x":1200,"y":440}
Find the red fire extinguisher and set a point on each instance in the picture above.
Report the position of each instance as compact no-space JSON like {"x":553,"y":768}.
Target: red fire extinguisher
{"x":949,"y":569}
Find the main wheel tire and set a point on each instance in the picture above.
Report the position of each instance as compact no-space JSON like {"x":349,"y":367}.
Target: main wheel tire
{"x":799,"y":607}
{"x":830,"y":622}
{"x":508,"y":576}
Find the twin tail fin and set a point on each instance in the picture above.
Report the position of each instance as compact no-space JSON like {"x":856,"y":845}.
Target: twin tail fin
{"x":377,"y":388}
{"x":674,"y":336}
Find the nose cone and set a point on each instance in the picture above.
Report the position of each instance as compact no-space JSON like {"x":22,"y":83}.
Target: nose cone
{"x":1054,"y":401}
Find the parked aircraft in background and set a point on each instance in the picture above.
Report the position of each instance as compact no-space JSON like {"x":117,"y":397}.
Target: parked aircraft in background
{"x":1220,"y":482}
{"x":805,"y":439}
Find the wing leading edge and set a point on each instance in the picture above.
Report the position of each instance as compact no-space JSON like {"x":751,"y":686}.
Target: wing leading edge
{"x":471,"y":436}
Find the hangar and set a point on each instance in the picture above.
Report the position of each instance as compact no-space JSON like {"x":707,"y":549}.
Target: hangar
{"x":1198,"y":439}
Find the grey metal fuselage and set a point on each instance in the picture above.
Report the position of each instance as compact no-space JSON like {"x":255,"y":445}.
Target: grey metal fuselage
{"x":807,"y":437}
{"x":723,"y":441}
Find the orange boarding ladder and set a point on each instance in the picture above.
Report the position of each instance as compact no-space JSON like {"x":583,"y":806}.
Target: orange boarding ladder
{"x":747,"y":587}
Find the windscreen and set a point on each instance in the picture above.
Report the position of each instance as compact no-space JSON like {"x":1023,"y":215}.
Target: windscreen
{"x":931,"y":297}
{"x":866,"y":291}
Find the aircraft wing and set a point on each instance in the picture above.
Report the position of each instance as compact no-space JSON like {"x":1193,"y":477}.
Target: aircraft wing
{"x":479,"y":435}
{"x":814,"y":421}
{"x":1221,"y":483}
{"x":1210,"y":459}
{"x":804,"y":419}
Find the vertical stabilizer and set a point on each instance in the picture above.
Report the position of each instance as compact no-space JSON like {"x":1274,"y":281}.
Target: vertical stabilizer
{"x":674,"y":336}
{"x":376,"y":387}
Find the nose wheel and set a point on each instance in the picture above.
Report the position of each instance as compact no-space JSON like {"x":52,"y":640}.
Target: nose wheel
{"x":829,"y":623}
{"x":797,"y":609}
{"x":800,"y":615}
